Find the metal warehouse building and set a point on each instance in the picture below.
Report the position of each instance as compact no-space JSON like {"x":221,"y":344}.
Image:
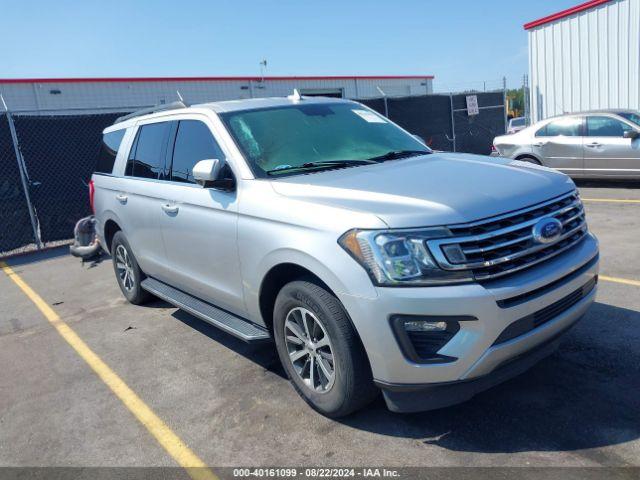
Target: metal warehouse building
{"x":117,"y":94}
{"x":586,"y":57}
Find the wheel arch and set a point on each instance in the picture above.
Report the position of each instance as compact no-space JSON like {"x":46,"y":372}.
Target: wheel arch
{"x":277,"y":277}
{"x":283,"y":265}
{"x":110,"y":229}
{"x":533,"y":156}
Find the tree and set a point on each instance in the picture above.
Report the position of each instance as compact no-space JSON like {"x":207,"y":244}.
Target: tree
{"x":515,"y":102}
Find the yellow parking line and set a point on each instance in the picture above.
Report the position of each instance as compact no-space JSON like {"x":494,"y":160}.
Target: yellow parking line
{"x":625,"y":281}
{"x":610,"y":200}
{"x":174,"y":446}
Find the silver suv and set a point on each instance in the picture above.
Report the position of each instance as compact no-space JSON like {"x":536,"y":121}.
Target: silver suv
{"x":371,"y":262}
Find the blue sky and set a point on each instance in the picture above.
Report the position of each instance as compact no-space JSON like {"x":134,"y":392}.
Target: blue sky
{"x":461,"y":42}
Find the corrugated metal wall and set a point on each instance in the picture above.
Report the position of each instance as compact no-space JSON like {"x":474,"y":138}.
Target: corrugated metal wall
{"x":589,"y":60}
{"x":116,"y":95}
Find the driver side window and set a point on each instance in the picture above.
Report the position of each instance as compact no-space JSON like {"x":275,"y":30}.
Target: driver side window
{"x":194,"y":142}
{"x":606,"y":127}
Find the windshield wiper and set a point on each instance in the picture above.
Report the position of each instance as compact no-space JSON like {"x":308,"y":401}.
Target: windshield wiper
{"x":327,"y":164}
{"x":396,"y":154}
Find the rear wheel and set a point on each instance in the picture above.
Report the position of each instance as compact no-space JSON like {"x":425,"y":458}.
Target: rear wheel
{"x":320,"y":350}
{"x":128,"y":271}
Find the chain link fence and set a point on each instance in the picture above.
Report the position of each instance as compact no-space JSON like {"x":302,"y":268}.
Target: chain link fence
{"x":57,"y":155}
{"x":16,"y":229}
{"x":443,"y":121}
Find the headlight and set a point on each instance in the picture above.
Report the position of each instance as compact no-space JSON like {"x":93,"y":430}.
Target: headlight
{"x":400,"y":257}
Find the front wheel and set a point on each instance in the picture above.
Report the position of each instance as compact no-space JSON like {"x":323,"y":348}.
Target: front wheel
{"x":320,"y":350}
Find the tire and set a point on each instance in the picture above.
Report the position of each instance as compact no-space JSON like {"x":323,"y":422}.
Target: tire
{"x":351,"y":387}
{"x":130,"y":277}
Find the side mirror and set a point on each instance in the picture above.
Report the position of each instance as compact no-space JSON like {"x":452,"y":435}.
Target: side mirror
{"x":632,"y":134}
{"x":207,"y":171}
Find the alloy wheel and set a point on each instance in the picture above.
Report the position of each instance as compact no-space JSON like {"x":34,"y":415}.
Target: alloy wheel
{"x":124,"y":268}
{"x":310,"y":350}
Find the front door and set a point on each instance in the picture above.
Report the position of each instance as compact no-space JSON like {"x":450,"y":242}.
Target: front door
{"x":199,"y":225}
{"x":559,"y":144}
{"x":607,"y":152}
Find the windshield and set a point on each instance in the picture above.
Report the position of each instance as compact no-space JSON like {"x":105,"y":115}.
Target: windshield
{"x":631,"y":116}
{"x":282,"y":138}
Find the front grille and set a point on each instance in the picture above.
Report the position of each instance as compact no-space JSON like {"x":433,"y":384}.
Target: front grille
{"x":504,"y":244}
{"x":548,"y":313}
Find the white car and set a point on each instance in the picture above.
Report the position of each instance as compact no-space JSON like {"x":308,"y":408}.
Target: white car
{"x":516,"y":124}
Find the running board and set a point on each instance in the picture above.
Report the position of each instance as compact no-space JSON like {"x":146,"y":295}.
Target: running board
{"x":230,"y":323}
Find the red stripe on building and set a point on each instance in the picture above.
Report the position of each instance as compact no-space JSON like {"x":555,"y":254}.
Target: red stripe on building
{"x":208,"y":79}
{"x":565,"y":13}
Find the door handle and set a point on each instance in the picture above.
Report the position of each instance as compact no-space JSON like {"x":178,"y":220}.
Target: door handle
{"x":170,"y":208}
{"x":540,"y":144}
{"x":594,"y":144}
{"x":122,"y":198}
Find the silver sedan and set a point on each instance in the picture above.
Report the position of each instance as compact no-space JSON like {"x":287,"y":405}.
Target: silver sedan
{"x":597,"y":144}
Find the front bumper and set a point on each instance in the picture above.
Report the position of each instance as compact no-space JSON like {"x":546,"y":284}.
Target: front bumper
{"x":418,"y":398}
{"x":476,"y":356}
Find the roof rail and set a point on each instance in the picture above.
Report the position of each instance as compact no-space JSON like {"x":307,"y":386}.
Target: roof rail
{"x":158,"y":108}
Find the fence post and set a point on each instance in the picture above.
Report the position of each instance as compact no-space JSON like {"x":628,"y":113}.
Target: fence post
{"x":453,"y":121}
{"x":384,"y":97}
{"x":504,"y":102}
{"x":24,"y":177}
{"x":525,"y":96}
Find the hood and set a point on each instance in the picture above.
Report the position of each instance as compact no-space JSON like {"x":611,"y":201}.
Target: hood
{"x":430,"y":190}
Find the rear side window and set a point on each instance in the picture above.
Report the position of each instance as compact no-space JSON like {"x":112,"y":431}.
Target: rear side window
{"x":146,"y":159}
{"x":194,"y":142}
{"x":606,"y":127}
{"x":110,"y":144}
{"x":567,"y":127}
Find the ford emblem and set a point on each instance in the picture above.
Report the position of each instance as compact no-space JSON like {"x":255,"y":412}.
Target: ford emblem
{"x":547,"y":230}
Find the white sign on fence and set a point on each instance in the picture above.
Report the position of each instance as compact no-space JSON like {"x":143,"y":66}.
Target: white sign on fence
{"x":472,"y":105}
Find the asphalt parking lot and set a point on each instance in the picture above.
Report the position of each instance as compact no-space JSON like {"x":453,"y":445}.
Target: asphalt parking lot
{"x":229,"y":403}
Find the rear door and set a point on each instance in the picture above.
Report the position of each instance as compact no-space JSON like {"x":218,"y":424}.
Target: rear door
{"x":606,"y":151}
{"x":199,"y":225}
{"x":140,"y":194}
{"x":559,"y":144}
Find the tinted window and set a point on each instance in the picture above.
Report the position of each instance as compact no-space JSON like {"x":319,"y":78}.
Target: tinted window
{"x":146,"y":159}
{"x":632,"y":117}
{"x":517,"y":122}
{"x":606,"y":127}
{"x":194,"y":142}
{"x":568,"y":127}
{"x":108,"y":151}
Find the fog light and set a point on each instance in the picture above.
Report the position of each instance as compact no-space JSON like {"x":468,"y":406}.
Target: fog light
{"x":421,"y":337}
{"x":424,"y":326}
